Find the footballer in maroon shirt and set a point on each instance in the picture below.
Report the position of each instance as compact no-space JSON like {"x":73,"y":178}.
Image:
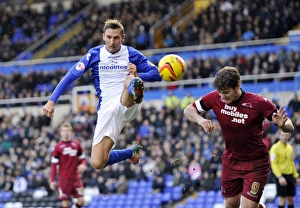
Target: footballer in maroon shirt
{"x":69,"y":162}
{"x":245,"y":161}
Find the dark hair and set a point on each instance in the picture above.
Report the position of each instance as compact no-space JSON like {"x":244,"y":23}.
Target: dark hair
{"x":113,"y":24}
{"x":228,"y":77}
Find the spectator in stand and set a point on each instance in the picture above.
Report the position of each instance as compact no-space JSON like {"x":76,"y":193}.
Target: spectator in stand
{"x":294,"y":105}
{"x":145,"y":130}
{"x":186,"y":100}
{"x":158,"y":184}
{"x":215,"y":161}
{"x":24,"y":33}
{"x":182,"y":178}
{"x":122,"y":185}
{"x":283,"y":167}
{"x":20,"y":183}
{"x":249,"y":34}
{"x":111,"y":185}
{"x":172,"y":101}
{"x":168,"y":41}
{"x":207,"y":181}
{"x":276,"y":101}
{"x":68,"y":157}
{"x":137,"y":173}
{"x":40,"y":182}
{"x":195,"y":173}
{"x":101,"y":185}
{"x":93,"y":180}
{"x":218,"y":181}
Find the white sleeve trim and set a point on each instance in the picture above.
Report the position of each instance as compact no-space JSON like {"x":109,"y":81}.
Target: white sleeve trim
{"x":54,"y":160}
{"x":198,"y":106}
{"x":82,"y":156}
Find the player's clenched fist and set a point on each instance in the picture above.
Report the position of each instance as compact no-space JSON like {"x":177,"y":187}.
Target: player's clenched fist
{"x":49,"y":108}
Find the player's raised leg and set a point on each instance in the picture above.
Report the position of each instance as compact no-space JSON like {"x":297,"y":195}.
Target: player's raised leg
{"x":103,"y":155}
{"x":133,"y":91}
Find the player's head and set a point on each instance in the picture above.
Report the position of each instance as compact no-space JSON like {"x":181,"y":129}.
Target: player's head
{"x":228,"y":83}
{"x":113,"y":35}
{"x":66,"y":131}
{"x":284,"y":137}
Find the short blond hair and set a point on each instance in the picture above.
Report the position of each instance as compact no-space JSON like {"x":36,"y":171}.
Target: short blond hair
{"x":113,"y":24}
{"x":66,"y":125}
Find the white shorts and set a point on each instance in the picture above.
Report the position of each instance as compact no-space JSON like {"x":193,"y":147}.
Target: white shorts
{"x":112,"y":118}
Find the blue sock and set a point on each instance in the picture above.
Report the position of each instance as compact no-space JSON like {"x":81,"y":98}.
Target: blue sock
{"x":130,"y":87}
{"x":119,"y":155}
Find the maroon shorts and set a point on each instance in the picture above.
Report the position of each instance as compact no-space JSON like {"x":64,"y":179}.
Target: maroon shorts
{"x":71,"y":187}
{"x":246,"y":177}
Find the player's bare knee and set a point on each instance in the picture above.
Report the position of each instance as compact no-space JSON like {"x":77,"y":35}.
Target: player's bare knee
{"x":98,"y":165}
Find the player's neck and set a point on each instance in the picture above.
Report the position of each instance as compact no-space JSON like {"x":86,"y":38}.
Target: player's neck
{"x":240,"y":92}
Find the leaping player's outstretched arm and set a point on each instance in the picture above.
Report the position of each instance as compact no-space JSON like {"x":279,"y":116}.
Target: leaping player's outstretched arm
{"x":60,"y":88}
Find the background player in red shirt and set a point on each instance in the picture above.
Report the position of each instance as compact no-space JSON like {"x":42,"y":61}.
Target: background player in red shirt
{"x":69,"y":160}
{"x":245,"y":161}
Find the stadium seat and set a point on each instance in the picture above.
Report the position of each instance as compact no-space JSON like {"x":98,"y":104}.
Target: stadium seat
{"x":142,"y":190}
{"x":297,"y":204}
{"x":133,"y":184}
{"x":156,"y":201}
{"x":2,"y":195}
{"x":169,"y":180}
{"x":200,"y":200}
{"x":177,"y":193}
{"x":190,"y":200}
{"x":210,"y":193}
{"x":147,"y":202}
{"x":144,"y":184}
{"x":219,"y":199}
{"x":208,"y":205}
{"x":210,"y":199}
{"x":201,"y":194}
{"x":166,"y":197}
{"x":190,"y":206}
{"x":168,"y":189}
{"x":148,"y":196}
{"x":298,"y":190}
{"x":129,"y":202}
{"x":158,"y":196}
{"x":7,"y":195}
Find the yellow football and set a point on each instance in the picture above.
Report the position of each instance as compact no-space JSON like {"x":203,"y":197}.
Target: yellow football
{"x":171,"y":67}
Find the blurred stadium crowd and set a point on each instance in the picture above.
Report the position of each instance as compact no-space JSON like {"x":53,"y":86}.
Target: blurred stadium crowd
{"x":40,"y":83}
{"x":170,"y":144}
{"x":224,"y":21}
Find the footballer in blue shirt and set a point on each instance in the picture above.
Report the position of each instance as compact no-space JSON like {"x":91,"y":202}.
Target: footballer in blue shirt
{"x":118,"y":72}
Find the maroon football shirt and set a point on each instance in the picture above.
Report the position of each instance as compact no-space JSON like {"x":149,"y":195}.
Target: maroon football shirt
{"x":241,"y":123}
{"x":67,"y":155}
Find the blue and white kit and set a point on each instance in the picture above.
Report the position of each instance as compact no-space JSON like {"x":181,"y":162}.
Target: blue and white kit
{"x":108,"y":74}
